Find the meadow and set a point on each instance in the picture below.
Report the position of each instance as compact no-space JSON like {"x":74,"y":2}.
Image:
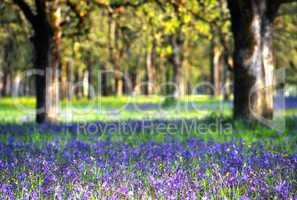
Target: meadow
{"x":144,"y":148}
{"x":59,"y":139}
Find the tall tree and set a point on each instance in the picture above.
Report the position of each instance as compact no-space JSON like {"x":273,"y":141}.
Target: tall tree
{"x":45,"y":22}
{"x":177,"y":41}
{"x":252,"y":27}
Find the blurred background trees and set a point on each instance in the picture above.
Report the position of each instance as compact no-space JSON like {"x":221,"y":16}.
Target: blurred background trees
{"x":126,"y":42}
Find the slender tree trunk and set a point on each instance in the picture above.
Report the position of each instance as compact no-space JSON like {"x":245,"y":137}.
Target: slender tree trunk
{"x":215,"y":67}
{"x":15,"y":84}
{"x":252,"y":27}
{"x":85,"y":86}
{"x":119,"y":83}
{"x":52,"y":87}
{"x":133,"y":78}
{"x":64,"y":79}
{"x":169,"y":89}
{"x":77,"y":81}
{"x":68,"y":81}
{"x":111,"y":35}
{"x":227,"y":77}
{"x":178,"y":43}
{"x":113,"y":55}
{"x":7,"y":69}
{"x":104,"y":82}
{"x":149,"y":71}
{"x":90,"y":76}
{"x":177,"y":62}
{"x":160,"y":70}
{"x":5,"y":81}
{"x":189,"y":87}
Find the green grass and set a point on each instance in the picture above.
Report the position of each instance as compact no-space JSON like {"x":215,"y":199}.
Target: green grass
{"x":17,"y":110}
{"x":112,"y":109}
{"x":272,"y":139}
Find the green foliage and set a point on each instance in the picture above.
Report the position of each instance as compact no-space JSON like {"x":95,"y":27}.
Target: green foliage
{"x":140,"y":26}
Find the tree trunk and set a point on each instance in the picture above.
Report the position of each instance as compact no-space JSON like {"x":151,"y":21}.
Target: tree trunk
{"x":252,"y":27}
{"x":77,"y":85}
{"x":5,"y":83}
{"x":215,"y":67}
{"x":52,"y":70}
{"x":46,"y":39}
{"x":149,"y":71}
{"x":90,"y":75}
{"x":113,"y":55}
{"x":41,"y":41}
{"x":111,"y":46}
{"x":177,"y":62}
{"x":7,"y":71}
{"x":133,"y":78}
{"x":119,"y":83}
{"x":104,"y":82}
{"x":90,"y":81}
{"x":160,"y":69}
{"x":15,"y":88}
{"x":227,"y":77}
{"x":46,"y":61}
{"x":52,"y":89}
{"x":65,"y":79}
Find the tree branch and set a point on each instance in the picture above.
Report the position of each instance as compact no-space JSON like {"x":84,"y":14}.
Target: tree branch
{"x":41,"y":8}
{"x":26,"y":10}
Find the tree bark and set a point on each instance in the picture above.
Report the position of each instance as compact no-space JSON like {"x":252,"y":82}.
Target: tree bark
{"x":178,"y":43}
{"x":177,"y":62}
{"x":160,"y":69}
{"x":215,"y":67}
{"x":5,"y":83}
{"x":77,"y":86}
{"x":52,"y":87}
{"x":47,"y":83}
{"x":65,"y":80}
{"x":41,"y":40}
{"x":114,"y":55}
{"x":104,"y":82}
{"x":46,"y":40}
{"x":90,"y":76}
{"x":149,"y":71}
{"x":252,"y":27}
{"x":119,"y":83}
{"x":133,"y":78}
{"x":7,"y":71}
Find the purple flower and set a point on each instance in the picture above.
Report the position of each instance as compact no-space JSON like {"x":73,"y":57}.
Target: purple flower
{"x":21,"y":176}
{"x":243,"y":197}
{"x":282,"y":190}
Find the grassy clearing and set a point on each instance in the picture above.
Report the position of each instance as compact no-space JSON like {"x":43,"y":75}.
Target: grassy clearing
{"x":212,"y":153}
{"x":209,"y":124}
{"x":110,"y":108}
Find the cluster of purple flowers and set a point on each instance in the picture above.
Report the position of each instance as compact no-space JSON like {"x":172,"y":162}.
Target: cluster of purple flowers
{"x":170,"y":170}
